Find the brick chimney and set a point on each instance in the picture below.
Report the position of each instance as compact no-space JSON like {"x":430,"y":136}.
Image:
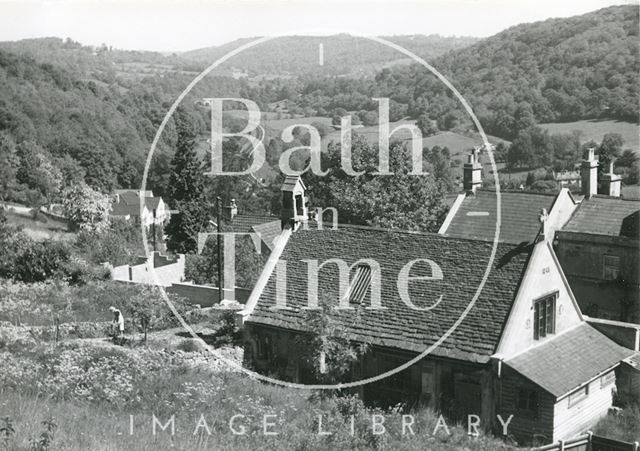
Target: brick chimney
{"x":589,"y":174}
{"x":294,"y":202}
{"x":472,"y":172}
{"x":610,"y":183}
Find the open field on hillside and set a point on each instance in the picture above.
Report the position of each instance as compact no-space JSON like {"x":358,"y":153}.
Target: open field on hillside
{"x":42,"y":228}
{"x":596,"y":129}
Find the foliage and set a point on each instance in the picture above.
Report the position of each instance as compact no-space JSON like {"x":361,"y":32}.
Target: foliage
{"x":202,"y":268}
{"x":85,"y":208}
{"x":6,"y":431}
{"x":43,"y":443}
{"x":26,"y":260}
{"x":531,"y":148}
{"x":149,"y":310}
{"x":119,"y":243}
{"x":186,"y":191}
{"x":403,"y":201}
{"x":609,"y":150}
{"x":426,"y":125}
{"x":326,"y":349}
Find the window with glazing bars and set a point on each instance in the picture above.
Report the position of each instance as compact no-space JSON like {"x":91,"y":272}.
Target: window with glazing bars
{"x":544,"y":319}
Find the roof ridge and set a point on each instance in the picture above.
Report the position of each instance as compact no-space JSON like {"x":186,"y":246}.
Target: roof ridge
{"x":517,"y":191}
{"x":605,"y":196}
{"x":422,"y":233}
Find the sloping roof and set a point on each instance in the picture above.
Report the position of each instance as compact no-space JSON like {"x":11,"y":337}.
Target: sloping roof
{"x":604,"y":215}
{"x":520,"y":212}
{"x":129,"y":203}
{"x":633,"y":360}
{"x":291,"y":181}
{"x":268,"y":232}
{"x":123,"y":209}
{"x":569,"y":360}
{"x":463,"y":263}
{"x":246,"y":222}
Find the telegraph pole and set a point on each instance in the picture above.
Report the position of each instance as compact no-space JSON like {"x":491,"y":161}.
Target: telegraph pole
{"x":220,"y":279}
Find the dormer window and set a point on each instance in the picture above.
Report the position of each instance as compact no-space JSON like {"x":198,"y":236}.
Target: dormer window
{"x":359,"y":285}
{"x":544,"y":316}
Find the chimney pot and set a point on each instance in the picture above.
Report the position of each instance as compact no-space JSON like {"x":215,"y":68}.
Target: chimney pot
{"x":610,"y":183}
{"x":472,"y":172}
{"x":589,"y":174}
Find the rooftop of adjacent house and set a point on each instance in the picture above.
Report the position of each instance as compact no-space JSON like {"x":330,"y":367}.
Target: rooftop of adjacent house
{"x":463,"y":263}
{"x":128,"y":203}
{"x":475,"y":217}
{"x":569,"y":368}
{"x":268,"y":232}
{"x":604,"y":215}
{"x":633,"y":360}
{"x":246,"y":221}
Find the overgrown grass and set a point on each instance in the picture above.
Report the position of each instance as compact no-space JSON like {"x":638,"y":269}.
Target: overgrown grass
{"x":622,"y":426}
{"x":91,"y":393}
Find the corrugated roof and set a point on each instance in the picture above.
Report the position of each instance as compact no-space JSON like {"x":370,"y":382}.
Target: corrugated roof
{"x":463,"y":263}
{"x":569,"y":360}
{"x":604,"y":215}
{"x":520,"y":213}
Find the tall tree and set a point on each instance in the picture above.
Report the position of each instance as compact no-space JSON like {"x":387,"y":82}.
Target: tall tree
{"x":186,"y":190}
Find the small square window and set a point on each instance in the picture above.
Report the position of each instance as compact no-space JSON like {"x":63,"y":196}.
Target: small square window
{"x":610,"y":267}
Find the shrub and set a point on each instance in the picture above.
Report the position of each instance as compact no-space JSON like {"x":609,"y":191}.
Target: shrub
{"x":189,"y":345}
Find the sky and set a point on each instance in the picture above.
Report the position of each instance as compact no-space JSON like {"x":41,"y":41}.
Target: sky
{"x":180,"y":25}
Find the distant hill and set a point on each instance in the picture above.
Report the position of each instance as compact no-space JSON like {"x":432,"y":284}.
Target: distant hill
{"x":343,"y":54}
{"x":566,"y":69}
{"x":558,"y":70}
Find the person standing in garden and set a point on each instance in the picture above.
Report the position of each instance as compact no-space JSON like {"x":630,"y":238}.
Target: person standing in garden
{"x":118,"y":324}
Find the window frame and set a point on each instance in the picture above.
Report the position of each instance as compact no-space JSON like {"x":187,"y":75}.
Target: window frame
{"x":577,"y":396}
{"x":531,"y":400}
{"x":363,"y":275}
{"x":264,"y":348}
{"x":608,"y":379}
{"x":608,"y":269}
{"x":544,"y":315}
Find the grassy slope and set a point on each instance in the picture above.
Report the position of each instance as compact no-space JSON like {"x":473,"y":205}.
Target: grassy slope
{"x":596,"y":129}
{"x":40,"y":229}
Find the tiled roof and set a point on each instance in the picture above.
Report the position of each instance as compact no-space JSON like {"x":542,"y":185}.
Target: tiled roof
{"x":463,"y":263}
{"x":567,"y":361}
{"x":129,"y":203}
{"x":245,"y":222}
{"x":122,"y":209}
{"x":268,"y":232}
{"x":520,"y":213}
{"x":603,"y":215}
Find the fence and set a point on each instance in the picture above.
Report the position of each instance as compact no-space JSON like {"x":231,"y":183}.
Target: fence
{"x":591,"y":442}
